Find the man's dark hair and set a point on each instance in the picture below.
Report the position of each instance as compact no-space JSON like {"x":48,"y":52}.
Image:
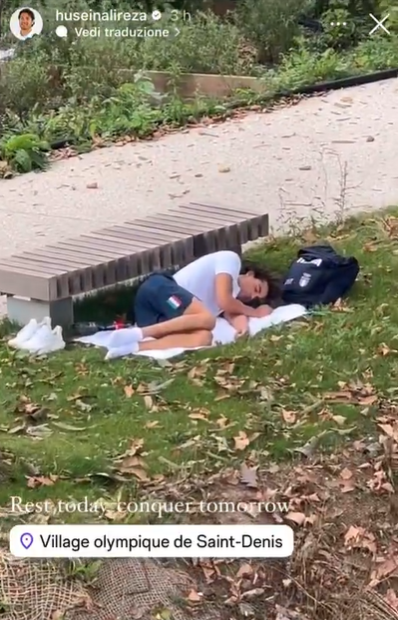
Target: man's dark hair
{"x":274,"y":297}
{"x":28,"y":12}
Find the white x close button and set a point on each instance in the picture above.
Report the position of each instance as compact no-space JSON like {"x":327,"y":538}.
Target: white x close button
{"x":379,"y":24}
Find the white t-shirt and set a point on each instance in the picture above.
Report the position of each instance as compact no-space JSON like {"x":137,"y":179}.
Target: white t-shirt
{"x":26,"y":36}
{"x":199,"y":277}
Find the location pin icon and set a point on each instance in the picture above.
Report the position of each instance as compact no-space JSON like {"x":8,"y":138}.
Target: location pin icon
{"x":26,"y":540}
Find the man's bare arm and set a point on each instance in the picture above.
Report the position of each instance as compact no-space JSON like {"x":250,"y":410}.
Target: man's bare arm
{"x":238,"y":321}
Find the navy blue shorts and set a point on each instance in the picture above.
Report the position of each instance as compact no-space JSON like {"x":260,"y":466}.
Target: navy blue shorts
{"x":158,"y":299}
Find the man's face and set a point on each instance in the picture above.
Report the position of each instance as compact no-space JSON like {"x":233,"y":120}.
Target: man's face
{"x":25,"y":22}
{"x":252,"y":288}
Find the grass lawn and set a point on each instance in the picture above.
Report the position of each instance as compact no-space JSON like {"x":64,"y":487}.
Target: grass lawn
{"x":313,"y":406}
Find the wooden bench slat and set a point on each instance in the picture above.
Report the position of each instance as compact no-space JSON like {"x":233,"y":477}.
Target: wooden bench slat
{"x":59,"y":261}
{"x":116,"y":242}
{"x":204,"y":219}
{"x":78,"y":245}
{"x":145,"y":234}
{"x":129,"y":239}
{"x":95,"y":244}
{"x":75,"y":256}
{"x":148,"y":229}
{"x":206,"y":214}
{"x":26,"y":266}
{"x":169,"y":227}
{"x":124,"y":251}
{"x":204,"y":208}
{"x":176,"y":225}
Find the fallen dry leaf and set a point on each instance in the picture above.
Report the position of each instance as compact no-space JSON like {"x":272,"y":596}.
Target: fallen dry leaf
{"x":368,"y":400}
{"x":249,"y":475}
{"x":383,"y":350}
{"x":115,"y":515}
{"x":339,"y":419}
{"x":383,"y":569}
{"x":222,"y":422}
{"x":246,"y":610}
{"x":244,"y":571}
{"x":152,"y":424}
{"x":287,"y":614}
{"x":252,"y":594}
{"x":131,"y":461}
{"x":289,"y":416}
{"x":369,"y":247}
{"x":309,"y":448}
{"x":140,"y":474}
{"x":346,"y":474}
{"x":82,"y":405}
{"x":148,"y":402}
{"x":360,"y":538}
{"x":297,"y":517}
{"x":390,"y":430}
{"x":41,"y":481}
{"x":136,"y":446}
{"x":197,"y":416}
{"x":194,"y":597}
{"x":129,"y":390}
{"x":133,"y":466}
{"x":392,"y":598}
{"x":241,"y":441}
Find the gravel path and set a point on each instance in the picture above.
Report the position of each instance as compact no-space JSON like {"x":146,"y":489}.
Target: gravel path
{"x":327,"y":154}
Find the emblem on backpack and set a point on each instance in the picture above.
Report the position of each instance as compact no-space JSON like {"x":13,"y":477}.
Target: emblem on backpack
{"x":304,"y":280}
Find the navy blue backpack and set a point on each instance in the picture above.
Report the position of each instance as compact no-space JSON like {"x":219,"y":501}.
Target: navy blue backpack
{"x":319,"y":276}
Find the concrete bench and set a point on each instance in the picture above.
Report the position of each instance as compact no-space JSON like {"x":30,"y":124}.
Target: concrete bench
{"x":43,"y":282}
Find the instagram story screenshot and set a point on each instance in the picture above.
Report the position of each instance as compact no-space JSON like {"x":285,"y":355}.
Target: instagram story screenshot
{"x":198,"y":327}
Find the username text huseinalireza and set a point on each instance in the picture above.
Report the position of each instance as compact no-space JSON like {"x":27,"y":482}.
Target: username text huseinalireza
{"x":101,"y":16}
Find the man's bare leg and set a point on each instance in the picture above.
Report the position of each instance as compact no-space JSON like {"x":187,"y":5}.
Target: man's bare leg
{"x":195,"y":318}
{"x":190,"y":340}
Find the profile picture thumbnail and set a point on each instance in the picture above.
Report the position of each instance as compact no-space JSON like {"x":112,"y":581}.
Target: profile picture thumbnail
{"x":25,"y":23}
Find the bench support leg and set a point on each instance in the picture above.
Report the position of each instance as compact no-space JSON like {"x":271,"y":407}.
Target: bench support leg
{"x":20,"y":310}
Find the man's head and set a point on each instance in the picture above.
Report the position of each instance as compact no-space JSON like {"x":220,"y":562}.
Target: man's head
{"x":256,"y":284}
{"x":26,"y":19}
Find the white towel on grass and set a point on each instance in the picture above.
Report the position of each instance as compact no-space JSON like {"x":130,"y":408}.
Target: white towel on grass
{"x":223,"y":332}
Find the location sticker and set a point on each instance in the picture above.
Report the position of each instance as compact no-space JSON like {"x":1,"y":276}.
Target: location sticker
{"x":26,"y":540}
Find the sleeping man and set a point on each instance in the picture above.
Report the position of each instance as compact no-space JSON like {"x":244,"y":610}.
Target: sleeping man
{"x":181,"y":310}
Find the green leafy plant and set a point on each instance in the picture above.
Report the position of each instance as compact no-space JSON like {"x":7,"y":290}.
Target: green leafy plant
{"x":376,"y":54}
{"x":339,"y":28}
{"x":390,"y":7}
{"x":355,"y":8}
{"x":25,"y":84}
{"x":302,"y":67}
{"x":271,"y":26}
{"x":132,"y":110}
{"x":76,"y":92}
{"x":25,"y":152}
{"x":205,"y":44}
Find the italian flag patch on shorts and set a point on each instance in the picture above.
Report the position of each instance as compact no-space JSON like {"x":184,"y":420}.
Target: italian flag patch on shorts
{"x":174,"y":302}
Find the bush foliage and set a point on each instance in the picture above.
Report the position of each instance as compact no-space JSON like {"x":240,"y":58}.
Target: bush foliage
{"x":82,"y":89}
